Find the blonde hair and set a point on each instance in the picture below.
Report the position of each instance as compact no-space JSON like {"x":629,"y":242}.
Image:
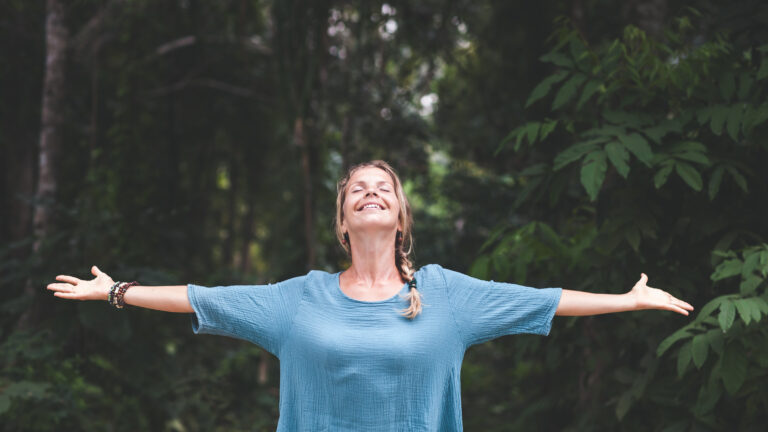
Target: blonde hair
{"x":403,"y":239}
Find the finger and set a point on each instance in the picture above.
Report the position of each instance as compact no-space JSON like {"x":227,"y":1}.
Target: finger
{"x":679,"y":310}
{"x":95,"y":271}
{"x":643,"y":278}
{"x":60,"y":287}
{"x":71,"y":296}
{"x":683,"y":304}
{"x":71,"y":279}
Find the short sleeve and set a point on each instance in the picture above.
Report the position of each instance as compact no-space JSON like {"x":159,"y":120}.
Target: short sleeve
{"x":486,"y":310}
{"x":261,"y":314}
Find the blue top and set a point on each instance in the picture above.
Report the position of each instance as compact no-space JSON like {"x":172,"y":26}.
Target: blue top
{"x":352,"y":365}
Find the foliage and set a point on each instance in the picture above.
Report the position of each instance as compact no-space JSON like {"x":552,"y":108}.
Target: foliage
{"x":650,"y":156}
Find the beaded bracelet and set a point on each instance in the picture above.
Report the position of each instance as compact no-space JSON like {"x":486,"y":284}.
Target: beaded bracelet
{"x":119,"y":296}
{"x":111,"y":296}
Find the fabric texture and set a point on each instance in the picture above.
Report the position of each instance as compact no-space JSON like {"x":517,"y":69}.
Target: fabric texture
{"x":352,"y":365}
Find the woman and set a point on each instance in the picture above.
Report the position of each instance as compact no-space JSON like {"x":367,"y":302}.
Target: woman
{"x":377,"y":347}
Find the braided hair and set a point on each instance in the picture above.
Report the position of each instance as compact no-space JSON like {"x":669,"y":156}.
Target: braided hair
{"x":403,"y":239}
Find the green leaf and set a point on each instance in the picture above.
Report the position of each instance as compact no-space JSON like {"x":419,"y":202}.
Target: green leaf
{"x":671,"y":339}
{"x":694,"y":157}
{"x":543,"y":87}
{"x":683,"y":359}
{"x":699,"y":350}
{"x":738,"y":178}
{"x":719,"y":115}
{"x":568,"y":90}
{"x":751,"y":263}
{"x":638,"y":146}
{"x":743,"y":306}
{"x":734,"y":122}
{"x":573,"y":153}
{"x":714,"y":182}
{"x":662,"y":175}
{"x":546,"y":129}
{"x":750,"y":284}
{"x":689,"y":174}
{"x":558,"y":59}
{"x":593,"y":173}
{"x":734,"y":368}
{"x":586,"y":93}
{"x":532,"y":131}
{"x":727,"y":315}
{"x":726,"y":269}
{"x":619,"y":156}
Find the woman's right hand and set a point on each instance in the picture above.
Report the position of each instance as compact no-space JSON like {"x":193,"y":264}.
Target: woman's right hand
{"x":78,"y":289}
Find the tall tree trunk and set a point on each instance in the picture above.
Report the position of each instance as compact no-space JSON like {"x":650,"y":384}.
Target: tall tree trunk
{"x":300,"y":139}
{"x":56,"y":41}
{"x":51,"y":119}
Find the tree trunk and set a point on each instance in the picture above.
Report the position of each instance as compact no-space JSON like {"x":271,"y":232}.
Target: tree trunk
{"x":56,"y":40}
{"x":51,"y":118}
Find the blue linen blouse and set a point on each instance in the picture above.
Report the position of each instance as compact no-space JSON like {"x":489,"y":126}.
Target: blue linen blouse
{"x":352,"y":365}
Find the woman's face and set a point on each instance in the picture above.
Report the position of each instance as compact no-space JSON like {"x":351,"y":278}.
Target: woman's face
{"x":370,"y":202}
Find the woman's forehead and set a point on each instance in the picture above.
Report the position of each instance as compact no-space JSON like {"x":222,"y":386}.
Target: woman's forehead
{"x":370,"y":175}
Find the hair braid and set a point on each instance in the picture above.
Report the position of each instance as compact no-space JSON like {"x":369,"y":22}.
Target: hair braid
{"x":405,"y":267}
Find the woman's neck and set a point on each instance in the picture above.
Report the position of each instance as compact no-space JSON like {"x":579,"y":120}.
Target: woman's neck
{"x":373,"y":261}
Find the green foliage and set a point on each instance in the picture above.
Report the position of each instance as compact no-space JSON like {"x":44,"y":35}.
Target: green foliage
{"x":668,"y":138}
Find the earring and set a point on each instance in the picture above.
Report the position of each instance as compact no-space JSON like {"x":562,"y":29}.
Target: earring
{"x":346,"y":238}
{"x":399,"y":236}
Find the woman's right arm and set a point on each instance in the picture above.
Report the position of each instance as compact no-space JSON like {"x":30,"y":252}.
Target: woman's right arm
{"x":164,"y":298}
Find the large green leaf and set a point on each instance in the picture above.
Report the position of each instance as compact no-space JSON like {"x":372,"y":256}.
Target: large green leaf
{"x":719,"y":115}
{"x":558,"y":59}
{"x":690,"y":175}
{"x":714,"y":182}
{"x":568,"y":91}
{"x":683,"y":359}
{"x":734,"y":121}
{"x":738,"y":178}
{"x":726,"y":269}
{"x":744,"y":307}
{"x":663,"y":174}
{"x":727,"y":315}
{"x":544,"y":86}
{"x":589,"y":89}
{"x":699,"y":350}
{"x":671,"y":339}
{"x":638,"y":146}
{"x":593,"y":173}
{"x":572,"y":154}
{"x":619,"y":156}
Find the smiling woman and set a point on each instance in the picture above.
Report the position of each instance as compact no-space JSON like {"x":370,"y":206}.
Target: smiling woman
{"x":358,"y":349}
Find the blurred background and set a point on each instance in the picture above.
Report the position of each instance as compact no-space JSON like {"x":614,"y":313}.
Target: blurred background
{"x":549,"y":143}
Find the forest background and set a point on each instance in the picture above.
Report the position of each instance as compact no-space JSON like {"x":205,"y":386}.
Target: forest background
{"x":551,"y":143}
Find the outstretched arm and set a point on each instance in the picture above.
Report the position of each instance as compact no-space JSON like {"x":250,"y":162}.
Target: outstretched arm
{"x":164,"y":298}
{"x":578,"y":303}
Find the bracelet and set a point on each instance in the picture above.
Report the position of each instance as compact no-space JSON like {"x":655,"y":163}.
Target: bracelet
{"x":119,"y":296}
{"x":111,"y":296}
{"x":117,"y":293}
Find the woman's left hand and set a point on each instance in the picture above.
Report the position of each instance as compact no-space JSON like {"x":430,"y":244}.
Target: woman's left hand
{"x":653,"y":298}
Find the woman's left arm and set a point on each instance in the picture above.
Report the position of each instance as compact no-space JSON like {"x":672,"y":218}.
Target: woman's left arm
{"x":579,"y":303}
